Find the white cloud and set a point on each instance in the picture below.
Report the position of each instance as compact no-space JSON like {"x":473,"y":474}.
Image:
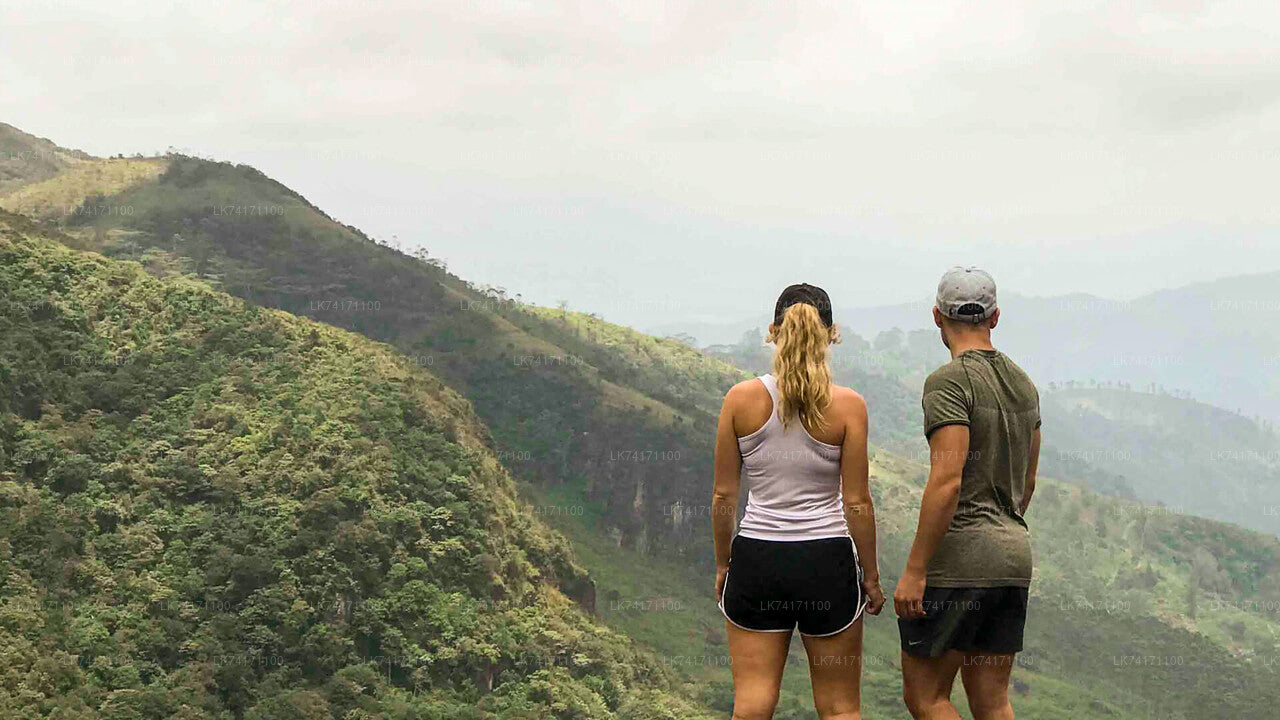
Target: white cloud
{"x":708,"y":146}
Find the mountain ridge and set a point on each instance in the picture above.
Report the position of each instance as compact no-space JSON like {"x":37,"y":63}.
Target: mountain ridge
{"x":264,"y":516}
{"x":552,"y":428}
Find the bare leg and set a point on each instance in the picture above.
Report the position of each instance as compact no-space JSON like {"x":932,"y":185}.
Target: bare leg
{"x":758,"y":659}
{"x":926,"y":685}
{"x":835,"y":670}
{"x":986,"y":682}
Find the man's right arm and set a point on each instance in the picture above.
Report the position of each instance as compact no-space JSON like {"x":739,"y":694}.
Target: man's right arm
{"x":948,"y":447}
{"x":946,"y":406}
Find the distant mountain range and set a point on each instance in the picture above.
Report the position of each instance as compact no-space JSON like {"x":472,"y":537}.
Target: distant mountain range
{"x":1190,"y":457}
{"x":1218,"y":341}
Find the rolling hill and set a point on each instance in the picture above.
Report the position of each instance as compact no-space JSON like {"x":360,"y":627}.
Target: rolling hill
{"x":561,"y":407}
{"x":1216,"y":340}
{"x":1140,"y":612}
{"x":209,"y":509}
{"x":1189,"y":456}
{"x":27,"y":159}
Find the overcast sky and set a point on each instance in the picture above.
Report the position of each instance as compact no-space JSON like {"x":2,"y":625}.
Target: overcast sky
{"x":661,"y":160}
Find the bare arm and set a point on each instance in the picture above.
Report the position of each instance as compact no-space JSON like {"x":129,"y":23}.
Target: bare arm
{"x":728,"y":467}
{"x":1033,"y":463}
{"x":859,"y":510}
{"x":948,"y":447}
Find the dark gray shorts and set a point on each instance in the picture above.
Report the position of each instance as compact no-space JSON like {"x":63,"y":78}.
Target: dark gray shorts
{"x":986,"y":620}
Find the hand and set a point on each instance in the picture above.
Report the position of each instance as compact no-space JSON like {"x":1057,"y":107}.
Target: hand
{"x":908,"y":595}
{"x":875,"y":596}
{"x":721,"y":574}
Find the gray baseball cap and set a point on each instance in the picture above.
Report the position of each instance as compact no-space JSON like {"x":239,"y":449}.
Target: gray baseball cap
{"x":967,"y":294}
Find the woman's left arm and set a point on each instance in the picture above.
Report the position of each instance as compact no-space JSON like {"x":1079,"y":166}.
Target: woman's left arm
{"x":859,"y":511}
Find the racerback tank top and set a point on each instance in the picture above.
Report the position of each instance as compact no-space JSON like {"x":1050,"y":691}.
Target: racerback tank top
{"x":793,"y":481}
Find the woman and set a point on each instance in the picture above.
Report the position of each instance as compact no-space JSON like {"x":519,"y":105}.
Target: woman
{"x":795,"y":559}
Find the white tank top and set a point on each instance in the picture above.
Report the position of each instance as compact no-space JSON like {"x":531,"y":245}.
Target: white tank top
{"x":793,"y":481}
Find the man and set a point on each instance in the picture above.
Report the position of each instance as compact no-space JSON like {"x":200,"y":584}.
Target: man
{"x":962,"y":600}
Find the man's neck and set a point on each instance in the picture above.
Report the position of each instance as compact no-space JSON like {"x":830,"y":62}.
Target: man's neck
{"x":974,"y":341}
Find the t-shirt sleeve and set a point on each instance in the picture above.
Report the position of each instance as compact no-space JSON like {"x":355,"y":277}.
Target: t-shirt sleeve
{"x":1038,"y":418}
{"x":946,"y":402}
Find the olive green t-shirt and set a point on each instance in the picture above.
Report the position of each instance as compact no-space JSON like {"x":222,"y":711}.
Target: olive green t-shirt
{"x":987,"y":544}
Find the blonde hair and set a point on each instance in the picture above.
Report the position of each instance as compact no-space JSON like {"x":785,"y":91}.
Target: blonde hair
{"x":802,"y":343}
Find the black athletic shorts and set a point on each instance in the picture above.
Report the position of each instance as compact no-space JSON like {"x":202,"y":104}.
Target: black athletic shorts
{"x":775,"y":586}
{"x":985,"y":620}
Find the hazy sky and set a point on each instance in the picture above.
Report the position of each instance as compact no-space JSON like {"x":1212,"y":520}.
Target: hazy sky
{"x":661,"y":160}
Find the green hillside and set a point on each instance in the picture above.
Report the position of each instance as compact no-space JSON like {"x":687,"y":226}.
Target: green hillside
{"x":610,"y":430}
{"x":78,"y":187}
{"x":1114,"y":630}
{"x":1192,"y":457}
{"x":562,"y":406}
{"x":1111,"y":630}
{"x":210,"y":509}
{"x":26,"y":159}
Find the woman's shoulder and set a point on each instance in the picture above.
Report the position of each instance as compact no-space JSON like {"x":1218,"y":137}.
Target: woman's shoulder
{"x":848,"y":402}
{"x":746,"y":388}
{"x":847,"y":395}
{"x":747,"y":394}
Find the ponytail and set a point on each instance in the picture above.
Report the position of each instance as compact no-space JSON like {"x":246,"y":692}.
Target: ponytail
{"x":802,"y":343}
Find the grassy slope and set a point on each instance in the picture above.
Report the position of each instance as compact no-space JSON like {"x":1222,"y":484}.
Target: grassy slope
{"x":677,"y":373}
{"x":26,"y":159}
{"x":211,"y":509}
{"x":67,"y":192}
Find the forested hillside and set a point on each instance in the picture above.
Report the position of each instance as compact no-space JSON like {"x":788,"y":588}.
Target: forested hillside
{"x":1140,"y":612}
{"x":1192,"y":457}
{"x":1137,"y":611}
{"x":625,"y":417}
{"x":209,"y":509}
